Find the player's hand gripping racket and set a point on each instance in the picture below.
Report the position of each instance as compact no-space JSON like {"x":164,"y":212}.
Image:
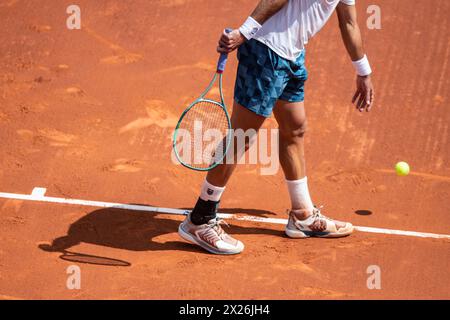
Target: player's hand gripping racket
{"x":203,"y":133}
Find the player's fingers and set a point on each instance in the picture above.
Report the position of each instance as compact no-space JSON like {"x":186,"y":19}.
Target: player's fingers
{"x":228,"y":45}
{"x":372,"y":99}
{"x":361,"y":103}
{"x":356,"y":100}
{"x":228,"y":36}
{"x":224,"y":46}
{"x":222,"y":49}
{"x":368,"y":98}
{"x":368,"y":101}
{"x":355,"y":96}
{"x":224,"y":42}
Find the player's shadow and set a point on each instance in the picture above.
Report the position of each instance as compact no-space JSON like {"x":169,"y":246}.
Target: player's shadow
{"x":129,"y":230}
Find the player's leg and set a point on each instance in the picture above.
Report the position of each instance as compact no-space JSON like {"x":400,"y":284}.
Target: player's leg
{"x":213,"y":187}
{"x":291,"y":118}
{"x":305,"y":220}
{"x":258,"y":86}
{"x":201,"y":226}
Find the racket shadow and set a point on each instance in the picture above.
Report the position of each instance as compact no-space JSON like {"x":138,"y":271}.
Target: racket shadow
{"x":92,"y":259}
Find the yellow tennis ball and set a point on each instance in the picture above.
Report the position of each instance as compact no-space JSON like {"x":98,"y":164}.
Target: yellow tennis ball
{"x":402,"y":168}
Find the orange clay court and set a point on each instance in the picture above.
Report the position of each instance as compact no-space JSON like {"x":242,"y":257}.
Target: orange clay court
{"x":89,"y":114}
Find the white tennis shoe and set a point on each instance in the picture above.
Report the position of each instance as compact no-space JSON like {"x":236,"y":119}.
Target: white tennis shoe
{"x":210,"y":236}
{"x":316,"y":225}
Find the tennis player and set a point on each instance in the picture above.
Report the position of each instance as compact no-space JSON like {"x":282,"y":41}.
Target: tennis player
{"x":270,"y":79}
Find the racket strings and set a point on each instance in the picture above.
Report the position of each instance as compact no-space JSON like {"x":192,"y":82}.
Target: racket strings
{"x":203,"y":135}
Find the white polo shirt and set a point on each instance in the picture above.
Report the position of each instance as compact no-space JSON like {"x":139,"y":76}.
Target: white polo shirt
{"x":288,"y":31}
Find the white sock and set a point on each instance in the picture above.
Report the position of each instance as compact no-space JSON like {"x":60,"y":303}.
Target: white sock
{"x":298,"y":190}
{"x":210,"y":192}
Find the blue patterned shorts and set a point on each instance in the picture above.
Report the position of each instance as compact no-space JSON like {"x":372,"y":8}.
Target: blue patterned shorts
{"x":263,"y":77}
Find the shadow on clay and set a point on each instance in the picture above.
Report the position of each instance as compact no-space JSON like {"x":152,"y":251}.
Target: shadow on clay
{"x":129,"y":230}
{"x":363,"y":212}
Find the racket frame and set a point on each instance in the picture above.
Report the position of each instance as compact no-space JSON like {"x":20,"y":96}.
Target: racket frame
{"x":222,"y":105}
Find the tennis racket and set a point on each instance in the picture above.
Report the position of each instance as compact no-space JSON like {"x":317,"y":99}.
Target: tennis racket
{"x":203,"y":133}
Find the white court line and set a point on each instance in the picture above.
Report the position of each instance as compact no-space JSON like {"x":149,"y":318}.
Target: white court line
{"x":38,"y":194}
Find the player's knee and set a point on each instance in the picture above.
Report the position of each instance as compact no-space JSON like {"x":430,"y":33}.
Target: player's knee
{"x":294,"y":132}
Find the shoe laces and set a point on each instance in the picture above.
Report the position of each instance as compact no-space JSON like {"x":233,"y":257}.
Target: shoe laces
{"x":215,"y":225}
{"x":318,"y":215}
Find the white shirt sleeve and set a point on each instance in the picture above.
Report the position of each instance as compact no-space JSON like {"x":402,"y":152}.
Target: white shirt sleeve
{"x":349,"y":2}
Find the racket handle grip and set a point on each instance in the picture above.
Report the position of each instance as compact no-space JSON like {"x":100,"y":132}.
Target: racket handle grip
{"x":223,"y":57}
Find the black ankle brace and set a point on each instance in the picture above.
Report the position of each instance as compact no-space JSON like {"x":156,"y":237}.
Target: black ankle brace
{"x":204,"y":211}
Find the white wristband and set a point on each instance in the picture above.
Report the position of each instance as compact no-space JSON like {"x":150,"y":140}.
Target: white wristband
{"x":362,"y":67}
{"x":250,"y":28}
